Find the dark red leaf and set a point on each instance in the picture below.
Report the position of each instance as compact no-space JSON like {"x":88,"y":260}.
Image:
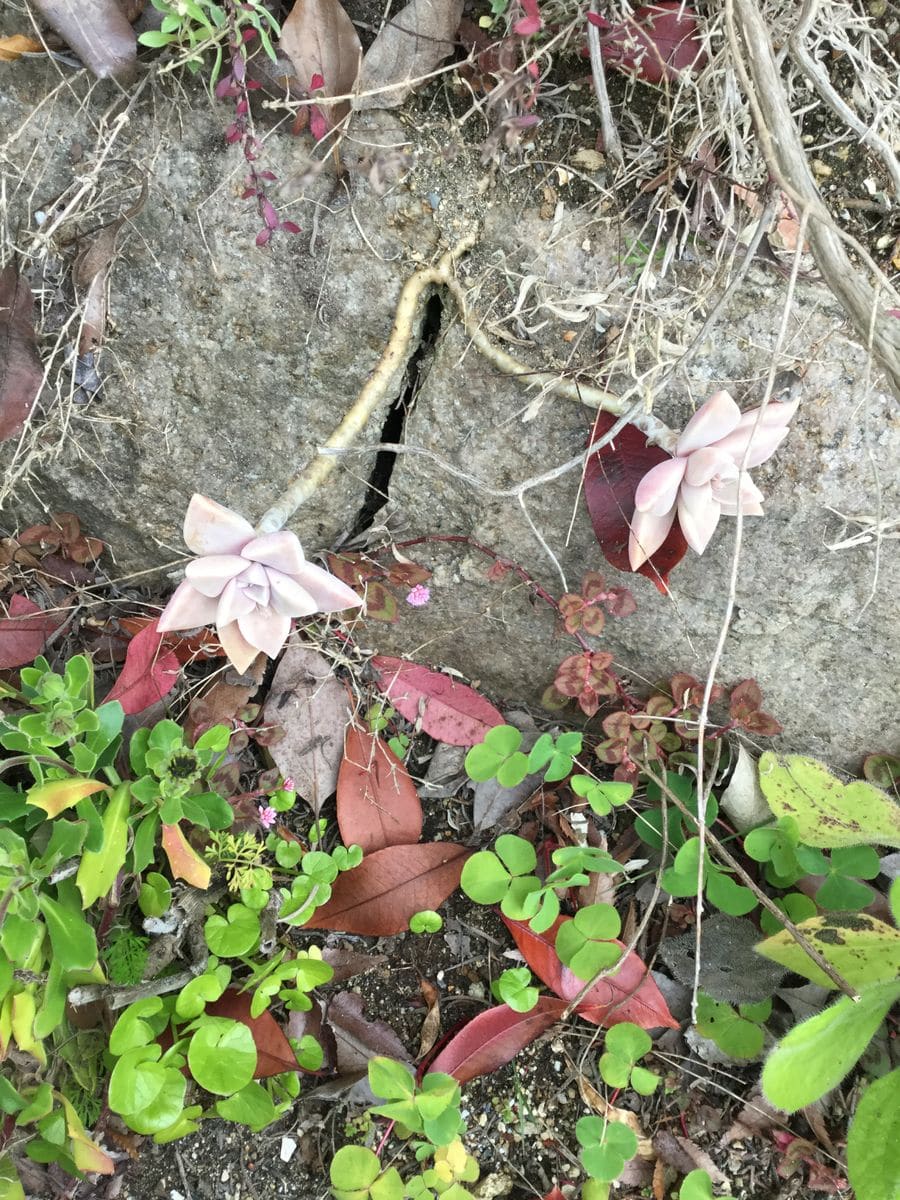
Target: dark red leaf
{"x":611,"y":477}
{"x":629,"y":995}
{"x":273,"y":1051}
{"x":24,"y":632}
{"x":554,"y":1194}
{"x":377,"y":802}
{"x":149,"y":672}
{"x":657,"y":43}
{"x":21,"y":372}
{"x":378,"y":897}
{"x":449,"y":711}
{"x":494,"y":1038}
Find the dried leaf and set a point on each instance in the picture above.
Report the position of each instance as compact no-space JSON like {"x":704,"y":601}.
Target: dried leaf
{"x":493,"y":1038}
{"x":184,"y":861}
{"x":410,"y":46}
{"x":15,"y":46}
{"x":377,"y":802}
{"x":347,"y":964}
{"x":21,"y":372}
{"x":312,"y":707}
{"x":448,"y":711}
{"x":378,"y":897}
{"x":149,"y":673}
{"x":657,"y":43}
{"x":24,"y":632}
{"x":358,"y":1038}
{"x":273,"y":1051}
{"x":431,"y":1026}
{"x":321,"y":40}
{"x":686,"y":1156}
{"x":97,"y":30}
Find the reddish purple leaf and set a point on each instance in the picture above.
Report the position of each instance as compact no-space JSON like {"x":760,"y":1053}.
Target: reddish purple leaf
{"x":21,"y":372}
{"x":377,"y":802}
{"x":24,"y":632}
{"x":494,"y":1038}
{"x":97,"y":30}
{"x":149,"y":672}
{"x":378,"y":897}
{"x":449,"y":711}
{"x":611,"y":476}
{"x":629,"y":995}
{"x":273,"y":1051}
{"x":657,"y":43}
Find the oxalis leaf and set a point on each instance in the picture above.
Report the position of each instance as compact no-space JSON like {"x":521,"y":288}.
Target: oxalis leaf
{"x":827,"y":811}
{"x":817,"y":1054}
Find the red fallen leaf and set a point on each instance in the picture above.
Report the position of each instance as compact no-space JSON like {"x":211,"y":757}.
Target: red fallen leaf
{"x":148,"y":674}
{"x":378,"y":897}
{"x":554,"y":1194}
{"x":377,"y":802}
{"x":657,"y":43}
{"x":611,"y":476}
{"x":21,"y":372}
{"x":629,"y":995}
{"x":187,"y":649}
{"x":493,"y":1038}
{"x":273,"y":1051}
{"x":24,"y":632}
{"x":449,"y":711}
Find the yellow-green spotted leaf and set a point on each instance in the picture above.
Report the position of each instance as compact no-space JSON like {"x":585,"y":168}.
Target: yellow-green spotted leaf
{"x":828,"y":812}
{"x":861,"y":948}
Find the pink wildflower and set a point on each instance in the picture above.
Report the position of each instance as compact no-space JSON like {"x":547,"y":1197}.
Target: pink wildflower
{"x":531,"y":22}
{"x":419,"y":595}
{"x":249,"y":586}
{"x":704,"y":480}
{"x":267,"y":817}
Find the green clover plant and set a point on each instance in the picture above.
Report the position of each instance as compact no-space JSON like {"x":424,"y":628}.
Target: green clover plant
{"x":624,"y":1045}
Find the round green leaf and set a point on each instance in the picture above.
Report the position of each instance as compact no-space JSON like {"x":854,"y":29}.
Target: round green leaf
{"x":135,"y":1082}
{"x":628,"y":1041}
{"x":222,"y":1055}
{"x":426,"y":921}
{"x":516,"y":854}
{"x":166,"y":1108}
{"x":354,"y":1168}
{"x":484,"y":879}
{"x":643,"y":1081}
{"x":598,"y":921}
{"x":696,"y":1185}
{"x":236,"y":934}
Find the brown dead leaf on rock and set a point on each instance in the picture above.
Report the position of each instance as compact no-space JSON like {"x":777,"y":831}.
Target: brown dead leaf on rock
{"x":410,"y":46}
{"x":21,"y":372}
{"x":313,"y":709}
{"x":97,"y":30}
{"x":91,"y":276}
{"x":321,"y":40}
{"x":686,"y":1156}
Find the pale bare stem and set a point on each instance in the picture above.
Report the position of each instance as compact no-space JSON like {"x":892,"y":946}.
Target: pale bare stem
{"x":779,"y":138}
{"x":611,"y":142}
{"x":879,"y":498}
{"x":307,"y":482}
{"x":748,"y":881}
{"x":816,"y":74}
{"x":703,"y":789}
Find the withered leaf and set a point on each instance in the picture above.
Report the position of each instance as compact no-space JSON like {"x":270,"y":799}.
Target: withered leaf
{"x":321,"y":40}
{"x":416,"y":41}
{"x":357,"y":1037}
{"x":97,"y":30}
{"x":21,"y":372}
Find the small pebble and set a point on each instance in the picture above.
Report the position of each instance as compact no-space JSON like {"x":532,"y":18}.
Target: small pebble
{"x":288,"y":1148}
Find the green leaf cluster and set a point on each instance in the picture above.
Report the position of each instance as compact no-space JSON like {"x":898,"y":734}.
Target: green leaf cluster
{"x":624,"y":1045}
{"x":606,"y":1147}
{"x":499,"y":756}
{"x":428,"y":1110}
{"x":740,"y":1032}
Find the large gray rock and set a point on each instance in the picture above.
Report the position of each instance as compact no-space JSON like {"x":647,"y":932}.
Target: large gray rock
{"x":227,"y":365}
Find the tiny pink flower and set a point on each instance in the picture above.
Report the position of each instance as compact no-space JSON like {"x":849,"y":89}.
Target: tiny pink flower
{"x":267,"y":817}
{"x":249,"y":586}
{"x":704,"y":480}
{"x":288,"y":784}
{"x":419,"y":596}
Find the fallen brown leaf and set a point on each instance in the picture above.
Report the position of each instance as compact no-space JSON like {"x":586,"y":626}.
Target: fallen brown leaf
{"x":410,"y":46}
{"x":686,"y":1156}
{"x":320,"y":39}
{"x":18,"y":44}
{"x":97,"y":30}
{"x":21,"y":372}
{"x":431,"y":1026}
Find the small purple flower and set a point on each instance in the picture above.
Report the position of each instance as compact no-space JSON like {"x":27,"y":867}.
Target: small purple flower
{"x":288,"y":784}
{"x":419,"y":596}
{"x":267,"y":817}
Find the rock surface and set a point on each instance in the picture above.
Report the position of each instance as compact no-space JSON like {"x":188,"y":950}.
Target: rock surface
{"x":226,"y":365}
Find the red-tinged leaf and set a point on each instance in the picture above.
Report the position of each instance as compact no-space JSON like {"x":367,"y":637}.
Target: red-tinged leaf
{"x":449,"y":711}
{"x":184,"y":861}
{"x":657,"y":43}
{"x":187,"y":649}
{"x":554,"y":1194}
{"x":21,"y":372}
{"x":494,"y":1038}
{"x":322,"y":43}
{"x":377,"y":802}
{"x":24,"y":632}
{"x":273,"y":1051}
{"x":611,"y":477}
{"x":378,"y":897}
{"x":97,"y":30}
{"x":149,"y":673}
{"x":629,"y":995}
{"x":59,"y":794}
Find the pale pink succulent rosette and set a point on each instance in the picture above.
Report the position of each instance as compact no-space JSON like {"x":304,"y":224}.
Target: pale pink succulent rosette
{"x":704,"y":481}
{"x":248,"y":586}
